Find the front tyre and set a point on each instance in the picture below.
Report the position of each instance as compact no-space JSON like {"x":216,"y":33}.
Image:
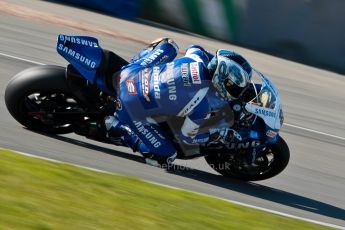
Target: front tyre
{"x":273,"y":160}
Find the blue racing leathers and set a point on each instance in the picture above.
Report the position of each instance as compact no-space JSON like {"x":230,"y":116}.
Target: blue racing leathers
{"x":155,"y":84}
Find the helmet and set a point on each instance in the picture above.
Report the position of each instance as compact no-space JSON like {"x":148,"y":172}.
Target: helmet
{"x":230,"y":74}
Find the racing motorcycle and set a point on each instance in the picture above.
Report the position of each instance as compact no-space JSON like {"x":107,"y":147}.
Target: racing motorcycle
{"x":60,"y":100}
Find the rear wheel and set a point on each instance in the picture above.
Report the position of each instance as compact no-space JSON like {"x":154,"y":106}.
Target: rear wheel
{"x":34,"y":94}
{"x":270,"y":162}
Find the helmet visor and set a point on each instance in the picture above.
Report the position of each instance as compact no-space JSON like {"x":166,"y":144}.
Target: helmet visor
{"x":233,"y":89}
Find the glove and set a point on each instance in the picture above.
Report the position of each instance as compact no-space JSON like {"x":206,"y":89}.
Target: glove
{"x":152,"y":46}
{"x":163,"y":40}
{"x":224,"y":135}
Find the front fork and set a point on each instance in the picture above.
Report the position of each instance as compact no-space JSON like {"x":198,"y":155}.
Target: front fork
{"x":255,"y":151}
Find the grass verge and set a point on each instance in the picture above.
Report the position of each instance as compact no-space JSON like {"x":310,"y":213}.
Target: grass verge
{"x":38,"y":194}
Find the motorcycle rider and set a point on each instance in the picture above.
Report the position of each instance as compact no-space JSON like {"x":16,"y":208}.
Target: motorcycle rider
{"x":192,"y":87}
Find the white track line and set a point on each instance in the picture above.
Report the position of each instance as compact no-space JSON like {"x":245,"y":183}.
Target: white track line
{"x":315,"y":131}
{"x":181,"y":189}
{"x":294,"y":126}
{"x":21,"y":59}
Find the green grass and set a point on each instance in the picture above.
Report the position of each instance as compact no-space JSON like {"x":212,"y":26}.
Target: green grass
{"x":38,"y":194}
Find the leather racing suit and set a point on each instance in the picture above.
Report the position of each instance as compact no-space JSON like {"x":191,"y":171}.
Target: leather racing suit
{"x":156,"y":84}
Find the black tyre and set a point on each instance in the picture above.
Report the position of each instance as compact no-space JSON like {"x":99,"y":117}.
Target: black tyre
{"x":38,"y":89}
{"x":273,"y":161}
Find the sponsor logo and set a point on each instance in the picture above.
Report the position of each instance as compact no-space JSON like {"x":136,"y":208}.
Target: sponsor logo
{"x":194,"y":70}
{"x":147,"y":134}
{"x":170,"y":80}
{"x":79,"y":41}
{"x":156,"y":83}
{"x":165,"y":57}
{"x":158,"y":133}
{"x":152,"y":57}
{"x":200,"y":141}
{"x":265,"y":112}
{"x":193,"y":103}
{"x":243,"y":145}
{"x":77,"y":56}
{"x":184,"y":74}
{"x":271,"y":133}
{"x":131,"y":87}
{"x":145,"y":83}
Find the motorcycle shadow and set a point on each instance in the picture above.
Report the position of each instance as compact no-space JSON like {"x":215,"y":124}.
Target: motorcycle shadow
{"x":263,"y":192}
{"x":91,"y":146}
{"x":247,"y":188}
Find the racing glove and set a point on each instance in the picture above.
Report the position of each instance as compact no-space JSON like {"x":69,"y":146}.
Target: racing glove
{"x":152,"y":46}
{"x":223,"y":135}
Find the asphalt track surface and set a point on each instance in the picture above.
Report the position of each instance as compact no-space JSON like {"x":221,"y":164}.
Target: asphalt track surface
{"x":313,"y":184}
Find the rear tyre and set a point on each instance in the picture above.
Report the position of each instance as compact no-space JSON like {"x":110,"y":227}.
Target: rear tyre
{"x":33,"y":91}
{"x":274,"y":160}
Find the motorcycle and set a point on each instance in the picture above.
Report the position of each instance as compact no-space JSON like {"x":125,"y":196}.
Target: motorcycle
{"x":60,"y":100}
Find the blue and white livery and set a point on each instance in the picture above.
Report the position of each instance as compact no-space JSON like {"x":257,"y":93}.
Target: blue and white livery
{"x":158,"y":85}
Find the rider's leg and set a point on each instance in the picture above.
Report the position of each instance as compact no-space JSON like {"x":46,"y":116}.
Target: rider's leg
{"x":160,"y":150}
{"x":120,"y":134}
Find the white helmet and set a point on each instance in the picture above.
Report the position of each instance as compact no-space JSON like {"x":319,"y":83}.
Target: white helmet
{"x":230,"y":74}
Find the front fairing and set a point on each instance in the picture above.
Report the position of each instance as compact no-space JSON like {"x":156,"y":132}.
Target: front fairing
{"x":267,"y":104}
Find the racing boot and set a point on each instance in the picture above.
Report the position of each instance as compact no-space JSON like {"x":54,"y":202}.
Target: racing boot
{"x":120,"y":134}
{"x":92,"y":130}
{"x":153,"y":159}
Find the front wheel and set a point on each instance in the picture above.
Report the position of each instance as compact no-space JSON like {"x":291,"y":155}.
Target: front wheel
{"x":271,"y":161}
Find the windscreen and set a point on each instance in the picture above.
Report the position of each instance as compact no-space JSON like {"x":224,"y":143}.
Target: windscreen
{"x":266,"y":98}
{"x":267,"y":103}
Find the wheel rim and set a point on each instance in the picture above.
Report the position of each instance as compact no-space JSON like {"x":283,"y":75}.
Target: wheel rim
{"x":38,"y":108}
{"x":235,"y":166}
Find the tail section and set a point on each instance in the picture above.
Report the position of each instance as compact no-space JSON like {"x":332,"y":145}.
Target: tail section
{"x":83,"y":52}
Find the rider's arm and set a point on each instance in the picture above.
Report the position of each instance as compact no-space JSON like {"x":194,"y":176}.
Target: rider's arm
{"x":190,"y":128}
{"x":160,"y":51}
{"x":198,"y":53}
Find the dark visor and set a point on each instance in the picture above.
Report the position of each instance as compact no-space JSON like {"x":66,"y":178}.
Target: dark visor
{"x":233,"y":89}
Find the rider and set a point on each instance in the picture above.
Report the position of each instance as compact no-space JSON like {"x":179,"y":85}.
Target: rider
{"x":192,"y":87}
